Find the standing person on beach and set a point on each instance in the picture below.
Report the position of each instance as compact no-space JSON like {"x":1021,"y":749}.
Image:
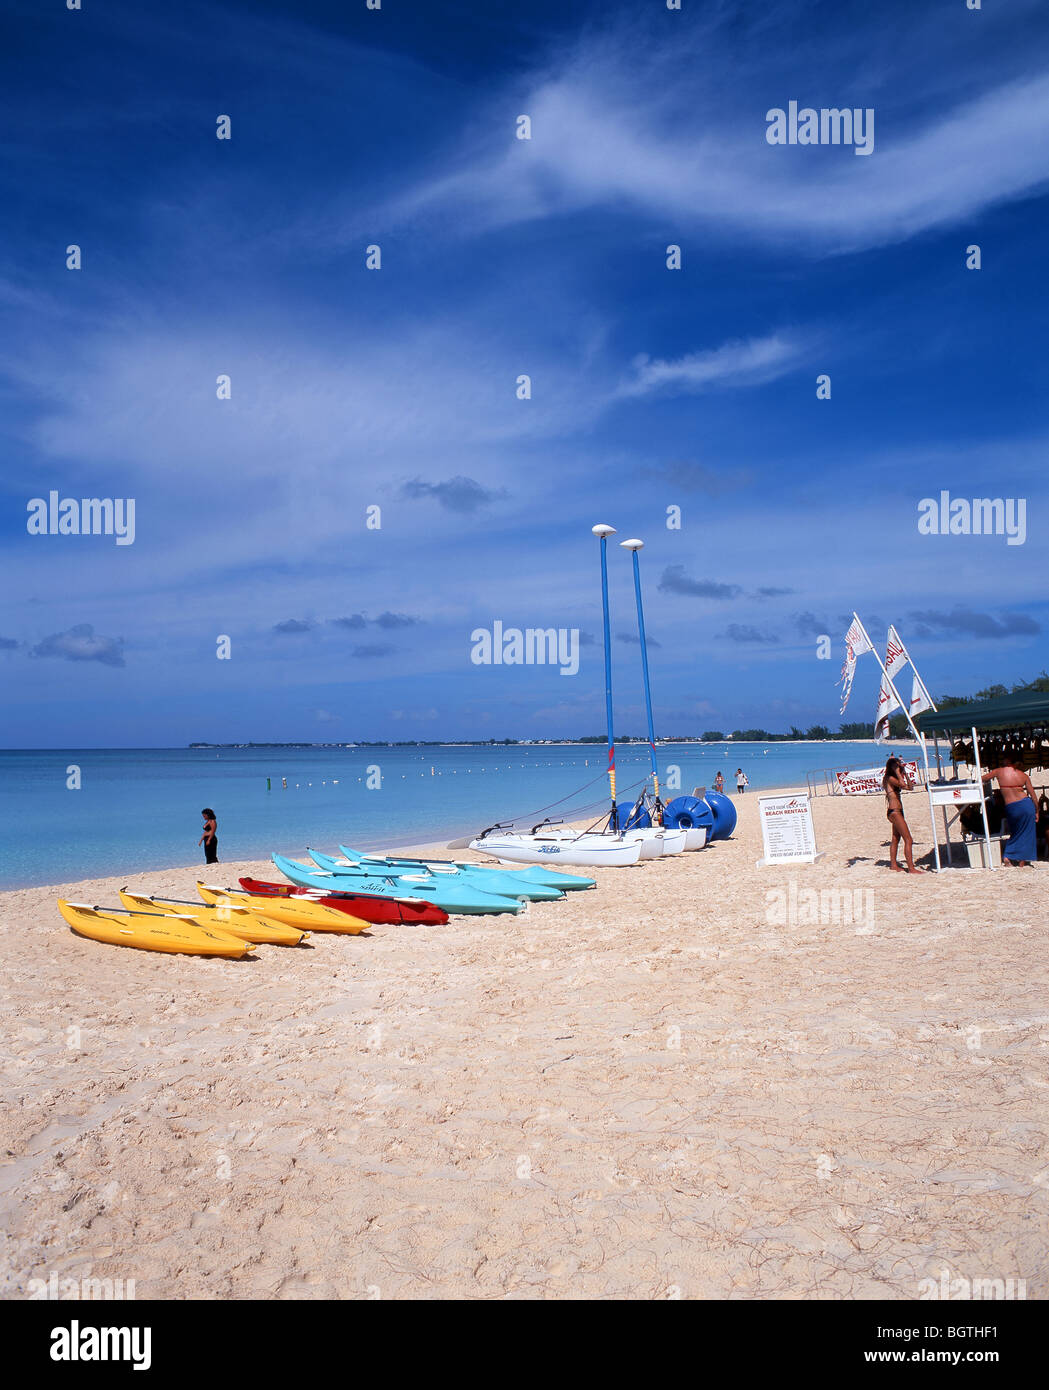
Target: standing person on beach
{"x":210,"y":839}
{"x":894,"y":782}
{"x":719,"y":783}
{"x":1021,"y":811}
{"x":741,"y":781}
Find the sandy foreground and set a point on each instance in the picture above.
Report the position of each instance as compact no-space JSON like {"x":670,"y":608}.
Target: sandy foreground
{"x":682,"y":1084}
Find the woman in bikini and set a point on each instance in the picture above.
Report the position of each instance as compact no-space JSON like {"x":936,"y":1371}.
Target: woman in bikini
{"x":894,"y":783}
{"x":210,"y":839}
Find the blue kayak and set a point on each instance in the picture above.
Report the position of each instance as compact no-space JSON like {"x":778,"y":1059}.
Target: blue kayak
{"x":488,"y":880}
{"x":453,"y":897}
{"x":532,"y":873}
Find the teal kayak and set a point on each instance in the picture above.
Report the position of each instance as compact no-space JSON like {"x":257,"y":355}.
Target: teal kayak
{"x":453,"y":897}
{"x":533,"y":873}
{"x":500,"y":881}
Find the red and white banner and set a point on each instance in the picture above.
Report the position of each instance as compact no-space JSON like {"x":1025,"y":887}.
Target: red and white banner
{"x":866,"y":781}
{"x":920,"y":699}
{"x":856,"y":643}
{"x":896,"y":659}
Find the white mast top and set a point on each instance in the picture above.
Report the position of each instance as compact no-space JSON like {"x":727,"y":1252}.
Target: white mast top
{"x":603,"y":530}
{"x":632,"y":545}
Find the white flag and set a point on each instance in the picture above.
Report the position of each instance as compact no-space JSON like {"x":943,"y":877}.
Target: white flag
{"x":895,"y":660}
{"x":919,"y":697}
{"x":856,"y":643}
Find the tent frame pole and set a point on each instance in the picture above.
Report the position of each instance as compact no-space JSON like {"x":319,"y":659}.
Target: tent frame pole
{"x":983,"y":802}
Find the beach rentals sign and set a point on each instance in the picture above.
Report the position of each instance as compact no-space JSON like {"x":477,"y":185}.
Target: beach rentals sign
{"x":787,"y":835}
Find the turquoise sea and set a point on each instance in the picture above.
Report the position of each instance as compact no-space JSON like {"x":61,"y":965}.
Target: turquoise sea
{"x":138,"y":809}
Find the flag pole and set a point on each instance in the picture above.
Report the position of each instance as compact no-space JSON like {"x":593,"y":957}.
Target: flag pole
{"x":931,"y":703}
{"x":603,"y":532}
{"x":917,"y":738}
{"x":634,"y":546}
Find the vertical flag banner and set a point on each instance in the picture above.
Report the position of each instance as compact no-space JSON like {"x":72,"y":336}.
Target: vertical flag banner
{"x":856,"y":643}
{"x":920,"y":697}
{"x":896,"y":659}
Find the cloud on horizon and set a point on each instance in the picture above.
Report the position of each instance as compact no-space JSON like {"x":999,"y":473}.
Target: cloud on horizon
{"x":744,"y":632}
{"x":676,"y":581}
{"x":936,"y":624}
{"x":372,"y":650}
{"x":462,"y":495}
{"x":80,"y":643}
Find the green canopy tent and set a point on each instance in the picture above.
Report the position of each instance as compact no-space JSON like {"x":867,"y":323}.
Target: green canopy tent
{"x":1017,"y":714}
{"x":1029,"y":709}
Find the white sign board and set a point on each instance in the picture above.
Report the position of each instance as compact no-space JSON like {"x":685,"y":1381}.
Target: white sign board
{"x":956,"y":793}
{"x":787,"y":836}
{"x":867,"y":780}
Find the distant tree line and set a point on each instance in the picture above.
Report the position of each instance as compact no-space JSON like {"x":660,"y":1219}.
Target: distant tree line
{"x":996,"y":692}
{"x":898,"y":726}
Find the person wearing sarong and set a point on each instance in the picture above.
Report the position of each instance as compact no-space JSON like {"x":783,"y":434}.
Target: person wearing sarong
{"x":1021,"y":810}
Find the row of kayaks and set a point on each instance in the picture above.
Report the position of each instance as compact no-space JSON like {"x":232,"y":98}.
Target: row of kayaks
{"x":340,"y":895}
{"x":347,"y":893}
{"x":456,"y":886}
{"x":227,"y":922}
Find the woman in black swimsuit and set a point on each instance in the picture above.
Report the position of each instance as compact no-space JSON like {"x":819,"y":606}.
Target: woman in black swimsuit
{"x":210,"y":839}
{"x":894,"y":783}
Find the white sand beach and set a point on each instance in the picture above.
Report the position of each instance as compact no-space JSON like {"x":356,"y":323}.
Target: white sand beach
{"x":657,"y":1089}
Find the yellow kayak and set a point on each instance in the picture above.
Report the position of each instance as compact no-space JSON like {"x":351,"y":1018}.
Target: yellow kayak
{"x":296,"y":912}
{"x":151,"y":931}
{"x":227,"y":918}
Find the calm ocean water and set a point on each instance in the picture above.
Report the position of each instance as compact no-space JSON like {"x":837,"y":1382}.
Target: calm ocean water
{"x":138,"y":809}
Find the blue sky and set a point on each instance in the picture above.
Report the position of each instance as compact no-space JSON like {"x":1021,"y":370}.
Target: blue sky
{"x":651,"y":388}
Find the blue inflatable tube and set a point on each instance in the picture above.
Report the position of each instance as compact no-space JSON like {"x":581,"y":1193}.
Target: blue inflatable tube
{"x":689,"y":813}
{"x":724,"y":812}
{"x":641,"y":820}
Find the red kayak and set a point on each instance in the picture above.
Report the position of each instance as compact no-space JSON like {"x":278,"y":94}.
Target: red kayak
{"x":367,"y":905}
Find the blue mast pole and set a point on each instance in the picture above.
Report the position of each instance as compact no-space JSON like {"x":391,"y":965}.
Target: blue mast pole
{"x":603,"y":532}
{"x":634,"y":546}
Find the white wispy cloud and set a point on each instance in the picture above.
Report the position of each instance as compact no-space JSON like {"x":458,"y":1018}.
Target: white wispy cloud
{"x":747,"y":362}
{"x":669,"y":139}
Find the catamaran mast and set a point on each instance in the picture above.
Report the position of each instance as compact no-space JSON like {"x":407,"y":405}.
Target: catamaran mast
{"x":603,"y":532}
{"x":634,"y":546}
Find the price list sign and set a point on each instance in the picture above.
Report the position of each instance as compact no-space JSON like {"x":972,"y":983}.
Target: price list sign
{"x":787,"y":835}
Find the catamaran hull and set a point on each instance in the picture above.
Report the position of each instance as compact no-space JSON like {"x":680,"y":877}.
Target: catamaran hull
{"x":660,"y":842}
{"x":696,"y":839}
{"x":655,"y":842}
{"x":591,"y":851}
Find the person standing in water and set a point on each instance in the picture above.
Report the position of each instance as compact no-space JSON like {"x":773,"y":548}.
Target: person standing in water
{"x":719,"y":783}
{"x":894,"y":782}
{"x":1021,"y":811}
{"x":741,"y":781}
{"x":210,"y":839}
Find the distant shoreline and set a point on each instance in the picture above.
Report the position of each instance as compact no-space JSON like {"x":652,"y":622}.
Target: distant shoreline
{"x":544,"y":743}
